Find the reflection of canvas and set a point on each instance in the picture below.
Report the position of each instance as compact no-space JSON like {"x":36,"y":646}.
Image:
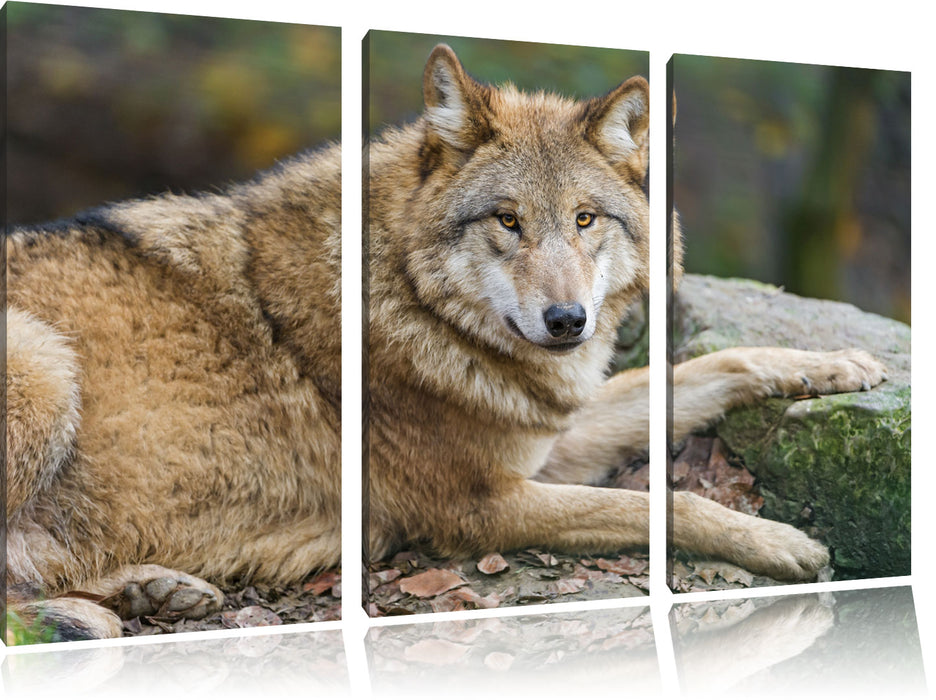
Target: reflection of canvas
{"x":828,"y":643}
{"x":507,"y":237}
{"x":799,"y":176}
{"x":172,"y":363}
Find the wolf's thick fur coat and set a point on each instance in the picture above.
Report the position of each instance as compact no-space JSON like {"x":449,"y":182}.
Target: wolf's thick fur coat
{"x":487,"y":217}
{"x":173,"y":368}
{"x":173,"y":388}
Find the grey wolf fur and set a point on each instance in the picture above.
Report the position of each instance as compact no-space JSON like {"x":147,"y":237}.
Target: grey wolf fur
{"x":173,"y":365}
{"x":173,"y":398}
{"x":508,"y":236}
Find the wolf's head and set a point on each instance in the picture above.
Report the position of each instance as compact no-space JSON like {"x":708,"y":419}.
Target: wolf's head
{"x":534,"y":218}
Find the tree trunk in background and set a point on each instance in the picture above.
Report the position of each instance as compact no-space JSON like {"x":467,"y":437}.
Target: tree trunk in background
{"x":822,"y":224}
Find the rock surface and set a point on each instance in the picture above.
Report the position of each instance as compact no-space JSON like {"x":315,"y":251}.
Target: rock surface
{"x":836,"y":466}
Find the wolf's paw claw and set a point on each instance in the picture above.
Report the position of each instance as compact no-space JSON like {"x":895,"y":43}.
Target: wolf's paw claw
{"x":842,"y":371}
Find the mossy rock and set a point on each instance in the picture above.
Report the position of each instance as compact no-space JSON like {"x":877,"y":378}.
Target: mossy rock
{"x":836,"y":466}
{"x":633,"y":339}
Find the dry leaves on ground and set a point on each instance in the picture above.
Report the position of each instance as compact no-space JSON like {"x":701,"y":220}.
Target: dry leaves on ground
{"x":416,"y":582}
{"x":705,"y":467}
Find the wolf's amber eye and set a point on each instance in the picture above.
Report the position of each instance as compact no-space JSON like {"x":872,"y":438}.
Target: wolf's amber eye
{"x":508,"y":221}
{"x":584,"y":219}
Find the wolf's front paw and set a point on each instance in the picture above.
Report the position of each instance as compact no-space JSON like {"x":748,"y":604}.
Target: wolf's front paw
{"x":838,"y":372}
{"x":170,"y":597}
{"x":782,"y":552}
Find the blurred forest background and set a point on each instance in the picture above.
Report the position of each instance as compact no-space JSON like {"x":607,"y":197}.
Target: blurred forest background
{"x":394,"y":63}
{"x":110,"y":104}
{"x":792,"y":174}
{"x":797,"y":175}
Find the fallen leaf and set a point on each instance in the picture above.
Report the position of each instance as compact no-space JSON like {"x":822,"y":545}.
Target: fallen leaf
{"x":492,"y":600}
{"x":385,"y":576}
{"x":389,"y":593}
{"x":624,"y":565}
{"x":492,"y":563}
{"x":569,"y":585}
{"x":706,"y":467}
{"x":430,"y":583}
{"x":640,"y":581}
{"x":536,"y":558}
{"x":446,"y":603}
{"x":323,"y":582}
{"x":706,"y":572}
{"x":395,"y":610}
{"x":590,"y":574}
{"x":695,"y":454}
{"x":547,"y":559}
{"x":729,"y":573}
{"x":734,"y":574}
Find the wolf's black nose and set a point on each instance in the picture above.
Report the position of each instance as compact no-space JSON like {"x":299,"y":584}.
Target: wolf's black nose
{"x":565,"y":319}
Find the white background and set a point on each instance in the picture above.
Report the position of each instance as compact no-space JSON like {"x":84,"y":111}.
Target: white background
{"x":896,"y":35}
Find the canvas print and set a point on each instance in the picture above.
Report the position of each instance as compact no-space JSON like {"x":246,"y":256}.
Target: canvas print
{"x":789,"y":327}
{"x":172,"y":356}
{"x":507,"y":235}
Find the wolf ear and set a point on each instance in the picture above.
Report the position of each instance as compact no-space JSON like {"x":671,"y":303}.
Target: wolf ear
{"x":456,"y":107}
{"x":619,"y":125}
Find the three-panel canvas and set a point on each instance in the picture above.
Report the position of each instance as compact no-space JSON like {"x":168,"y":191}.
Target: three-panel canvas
{"x":173,"y":323}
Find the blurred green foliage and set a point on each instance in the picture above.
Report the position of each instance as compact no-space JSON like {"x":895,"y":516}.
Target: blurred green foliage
{"x":107,"y":104}
{"x":38,"y":631}
{"x":394,"y":63}
{"x":797,"y":175}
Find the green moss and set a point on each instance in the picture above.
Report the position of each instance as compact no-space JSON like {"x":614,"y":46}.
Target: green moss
{"x":839,"y":465}
{"x":38,"y":632}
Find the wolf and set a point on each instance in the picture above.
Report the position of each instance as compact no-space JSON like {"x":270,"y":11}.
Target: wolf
{"x":173,"y":399}
{"x":508,"y":236}
{"x":173,"y":363}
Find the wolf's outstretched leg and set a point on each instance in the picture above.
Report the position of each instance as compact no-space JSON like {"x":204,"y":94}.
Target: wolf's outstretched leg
{"x":615,"y":425}
{"x":707,"y":386}
{"x":579,"y":519}
{"x":761,"y":546}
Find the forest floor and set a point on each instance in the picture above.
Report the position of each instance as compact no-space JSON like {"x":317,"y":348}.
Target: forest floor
{"x":412,"y":581}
